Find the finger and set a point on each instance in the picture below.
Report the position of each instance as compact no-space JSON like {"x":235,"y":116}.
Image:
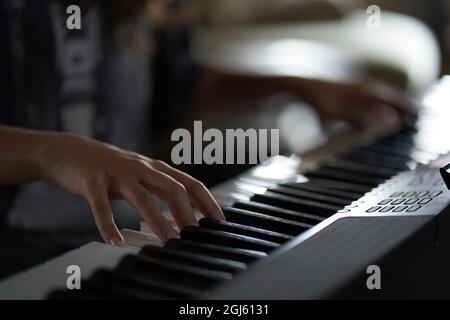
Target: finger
{"x":141,"y":200}
{"x":199,"y":194}
{"x":347,"y":110}
{"x":172,"y":192}
{"x":390,"y":96}
{"x":98,"y":200}
{"x":385,"y":116}
{"x":358,"y":116}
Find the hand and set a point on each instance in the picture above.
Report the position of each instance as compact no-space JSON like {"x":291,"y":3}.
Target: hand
{"x":364,"y":105}
{"x":100,"y":172}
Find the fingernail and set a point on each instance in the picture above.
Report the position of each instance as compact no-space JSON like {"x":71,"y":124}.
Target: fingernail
{"x":221,"y":214}
{"x":116,"y":241}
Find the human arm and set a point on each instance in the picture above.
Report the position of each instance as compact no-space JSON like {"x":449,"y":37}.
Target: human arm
{"x":100,"y":173}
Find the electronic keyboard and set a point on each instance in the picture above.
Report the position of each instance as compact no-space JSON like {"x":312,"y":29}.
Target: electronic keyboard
{"x":307,"y":227}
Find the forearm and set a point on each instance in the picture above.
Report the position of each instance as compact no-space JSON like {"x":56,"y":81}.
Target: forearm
{"x":228,"y":90}
{"x":23,"y":155}
{"x":362,"y":103}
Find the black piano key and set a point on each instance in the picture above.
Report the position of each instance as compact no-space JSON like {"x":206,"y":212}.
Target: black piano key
{"x":171,"y":272}
{"x":309,"y":195}
{"x":339,"y":175}
{"x":76,"y":294}
{"x":289,"y":215}
{"x":66,"y":295}
{"x":193,"y":259}
{"x":376,"y":159}
{"x":264,"y":221}
{"x":413,"y":147}
{"x":399,"y":140}
{"x":121,"y":291}
{"x":365,"y":169}
{"x":226,"y":239}
{"x":350,"y":196}
{"x":212,"y":250}
{"x":339,"y":185}
{"x":154,"y":286}
{"x":244,"y":230}
{"x":410,"y":126}
{"x":394,"y":145}
{"x":403,"y":154}
{"x":293,"y":203}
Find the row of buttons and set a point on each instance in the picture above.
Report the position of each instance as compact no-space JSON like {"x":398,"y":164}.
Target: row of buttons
{"x":418,"y":194}
{"x":405,"y":201}
{"x":393,"y":208}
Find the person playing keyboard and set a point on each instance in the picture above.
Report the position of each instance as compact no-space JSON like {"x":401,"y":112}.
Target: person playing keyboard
{"x":74,"y":109}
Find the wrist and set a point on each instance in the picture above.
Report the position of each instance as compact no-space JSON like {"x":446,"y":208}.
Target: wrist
{"x":47,"y":155}
{"x":28,"y":155}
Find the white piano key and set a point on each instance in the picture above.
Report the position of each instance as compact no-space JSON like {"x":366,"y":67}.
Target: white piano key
{"x":146,"y":229}
{"x":139,"y":239}
{"x":168,"y":215}
{"x":38,"y":282}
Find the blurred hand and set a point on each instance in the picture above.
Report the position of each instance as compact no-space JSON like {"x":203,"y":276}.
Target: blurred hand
{"x":365,"y":106}
{"x":100,"y":172}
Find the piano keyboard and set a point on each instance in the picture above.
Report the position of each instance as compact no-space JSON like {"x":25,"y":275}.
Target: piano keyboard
{"x":294,"y":227}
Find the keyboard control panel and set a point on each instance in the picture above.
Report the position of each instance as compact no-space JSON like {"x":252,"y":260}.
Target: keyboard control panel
{"x":417,"y":192}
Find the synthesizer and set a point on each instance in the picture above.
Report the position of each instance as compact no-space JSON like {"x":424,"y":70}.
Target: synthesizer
{"x":308,"y":227}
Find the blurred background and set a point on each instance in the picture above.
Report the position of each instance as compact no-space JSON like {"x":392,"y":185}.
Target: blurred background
{"x":320,"y":39}
{"x":324,"y":20}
